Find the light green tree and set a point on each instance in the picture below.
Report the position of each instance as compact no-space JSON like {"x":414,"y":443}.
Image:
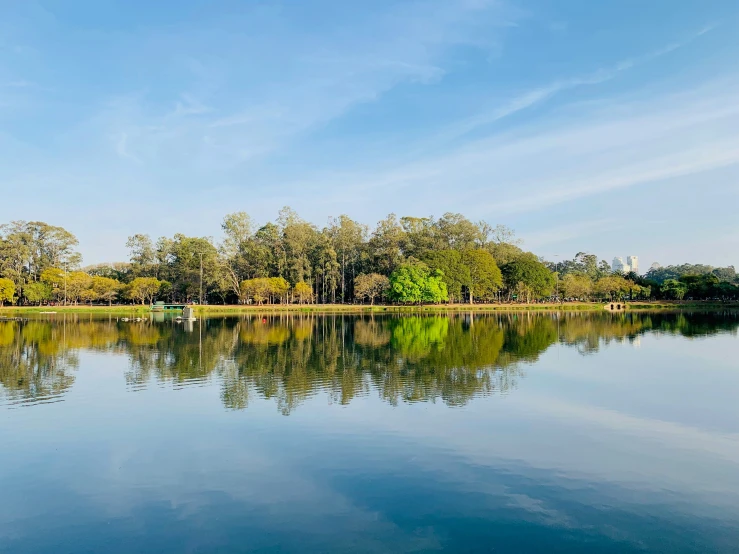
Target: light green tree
{"x":456,"y":272}
{"x":143,"y":289}
{"x":7,"y":291}
{"x":672,"y":288}
{"x":576,"y":285}
{"x":37,"y":292}
{"x":485,"y":277}
{"x":415,"y":283}
{"x":303,"y":292}
{"x":106,"y":289}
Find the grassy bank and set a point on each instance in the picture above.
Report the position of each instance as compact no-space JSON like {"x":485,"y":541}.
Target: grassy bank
{"x":121,"y":310}
{"x":216,"y":310}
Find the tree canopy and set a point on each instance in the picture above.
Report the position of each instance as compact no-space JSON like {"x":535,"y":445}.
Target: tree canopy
{"x":293,"y":260}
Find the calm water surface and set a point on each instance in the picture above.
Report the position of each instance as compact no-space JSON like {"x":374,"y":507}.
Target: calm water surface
{"x":499,"y":433}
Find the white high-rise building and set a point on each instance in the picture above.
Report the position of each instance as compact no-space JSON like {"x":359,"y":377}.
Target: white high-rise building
{"x":633,"y":262}
{"x":618,"y":265}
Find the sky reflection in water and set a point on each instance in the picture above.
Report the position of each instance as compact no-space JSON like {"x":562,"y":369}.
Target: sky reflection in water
{"x":404,"y":434}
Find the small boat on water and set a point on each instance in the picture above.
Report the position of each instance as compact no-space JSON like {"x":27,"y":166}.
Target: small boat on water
{"x":47,"y":312}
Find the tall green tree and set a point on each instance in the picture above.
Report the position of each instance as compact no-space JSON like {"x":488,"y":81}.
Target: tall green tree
{"x":526,"y":275}
{"x":348,"y":238}
{"x":386,"y":245}
{"x":298,"y":236}
{"x":457,"y":232}
{"x":456,"y":272}
{"x":485,"y":277}
{"x":142,"y":255}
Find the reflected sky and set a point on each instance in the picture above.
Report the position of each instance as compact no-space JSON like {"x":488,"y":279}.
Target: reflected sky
{"x":403,"y":435}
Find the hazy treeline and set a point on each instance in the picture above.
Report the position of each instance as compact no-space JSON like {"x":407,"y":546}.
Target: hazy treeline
{"x":405,"y":260}
{"x":290,"y":358}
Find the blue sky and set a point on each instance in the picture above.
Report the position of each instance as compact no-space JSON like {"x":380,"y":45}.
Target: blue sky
{"x":610,"y":127}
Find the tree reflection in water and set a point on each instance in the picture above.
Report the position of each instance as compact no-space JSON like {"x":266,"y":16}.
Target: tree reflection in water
{"x":290,"y":358}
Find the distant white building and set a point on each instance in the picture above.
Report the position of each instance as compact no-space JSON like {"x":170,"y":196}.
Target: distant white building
{"x":632,"y":264}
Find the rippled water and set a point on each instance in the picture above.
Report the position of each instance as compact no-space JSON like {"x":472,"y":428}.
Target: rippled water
{"x":486,"y":433}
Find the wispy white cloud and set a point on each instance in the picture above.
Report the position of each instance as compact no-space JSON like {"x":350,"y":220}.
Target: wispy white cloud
{"x":616,"y":146}
{"x":322,"y":76}
{"x":538,"y":95}
{"x":121,"y":148}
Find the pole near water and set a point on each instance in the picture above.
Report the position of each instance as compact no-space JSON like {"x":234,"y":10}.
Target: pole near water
{"x":201,"y":279}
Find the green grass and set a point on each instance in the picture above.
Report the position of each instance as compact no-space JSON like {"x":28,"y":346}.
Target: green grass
{"x":113,"y":310}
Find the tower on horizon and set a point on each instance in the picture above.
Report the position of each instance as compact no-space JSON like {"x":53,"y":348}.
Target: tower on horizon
{"x":633,"y":263}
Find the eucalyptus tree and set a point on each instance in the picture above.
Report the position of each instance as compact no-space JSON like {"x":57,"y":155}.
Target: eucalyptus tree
{"x":298,"y":236}
{"x":457,"y":232}
{"x":192,"y":264}
{"x":142,"y":255}
{"x":326,"y":267}
{"x":386,"y":245}
{"x":420,"y":235}
{"x":500,"y":241}
{"x":348,"y":238}
{"x":236,"y":249}
{"x":28,"y":248}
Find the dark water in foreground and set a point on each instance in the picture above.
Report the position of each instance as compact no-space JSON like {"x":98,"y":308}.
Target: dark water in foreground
{"x":502,"y":433}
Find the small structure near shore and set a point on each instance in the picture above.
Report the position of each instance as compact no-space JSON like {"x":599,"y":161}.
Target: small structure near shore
{"x":615,"y":306}
{"x":188,"y":313}
{"x":162,"y":307}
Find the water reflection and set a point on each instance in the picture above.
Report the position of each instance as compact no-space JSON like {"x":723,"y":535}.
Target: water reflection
{"x":290,"y":358}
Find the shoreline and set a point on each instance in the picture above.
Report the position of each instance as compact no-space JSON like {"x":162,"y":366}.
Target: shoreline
{"x":217,"y":310}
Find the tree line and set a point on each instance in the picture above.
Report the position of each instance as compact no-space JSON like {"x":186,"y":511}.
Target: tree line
{"x":406,"y":260}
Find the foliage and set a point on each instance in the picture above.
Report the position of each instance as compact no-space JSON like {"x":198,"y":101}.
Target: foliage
{"x":106,"y":289}
{"x":38,"y":292}
{"x":144,"y":289}
{"x":485,"y":277}
{"x":661,"y":274}
{"x":415,"y":284}
{"x":299,"y":262}
{"x":28,"y":248}
{"x":672,"y":288}
{"x":612,"y":287}
{"x":264,"y":289}
{"x":303,"y":292}
{"x":528,"y":277}
{"x":371,"y":286}
{"x":575,"y":285}
{"x":456,"y":272}
{"x":7,"y":291}
{"x":582,"y":264}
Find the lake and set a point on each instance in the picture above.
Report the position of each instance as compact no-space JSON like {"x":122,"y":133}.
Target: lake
{"x":508,"y":432}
